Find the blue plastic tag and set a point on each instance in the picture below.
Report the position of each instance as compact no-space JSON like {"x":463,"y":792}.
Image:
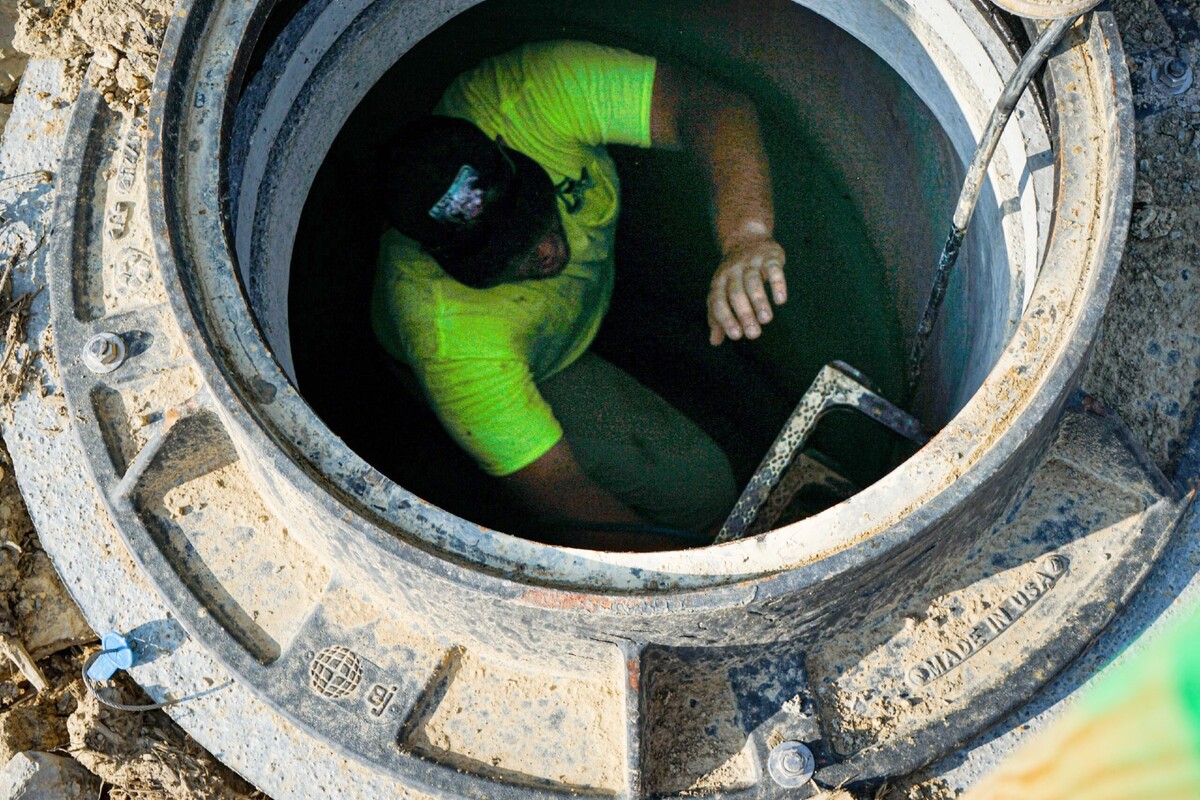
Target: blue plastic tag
{"x":117,"y":655}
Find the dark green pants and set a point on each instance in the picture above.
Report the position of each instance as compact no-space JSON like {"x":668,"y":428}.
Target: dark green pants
{"x":639,"y":447}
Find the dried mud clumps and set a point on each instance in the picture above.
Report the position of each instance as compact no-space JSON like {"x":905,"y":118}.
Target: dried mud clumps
{"x":121,"y":37}
{"x":143,"y":756}
{"x":12,"y":62}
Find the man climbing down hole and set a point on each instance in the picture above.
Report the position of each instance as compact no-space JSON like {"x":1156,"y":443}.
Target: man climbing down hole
{"x":498,"y":270}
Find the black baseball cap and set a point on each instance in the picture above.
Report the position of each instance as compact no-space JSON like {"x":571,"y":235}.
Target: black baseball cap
{"x":471,"y":202}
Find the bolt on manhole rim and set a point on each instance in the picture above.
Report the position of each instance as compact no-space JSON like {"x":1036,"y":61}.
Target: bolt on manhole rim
{"x":1174,"y":74}
{"x":791,"y":764}
{"x":104,"y":353}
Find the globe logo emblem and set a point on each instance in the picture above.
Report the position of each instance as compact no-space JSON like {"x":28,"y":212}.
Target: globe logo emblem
{"x":335,"y":672}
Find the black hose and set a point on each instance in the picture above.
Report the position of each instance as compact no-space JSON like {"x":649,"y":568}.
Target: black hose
{"x":1028,"y":66}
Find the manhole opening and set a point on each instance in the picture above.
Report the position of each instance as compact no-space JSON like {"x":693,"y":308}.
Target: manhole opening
{"x":865,"y":178}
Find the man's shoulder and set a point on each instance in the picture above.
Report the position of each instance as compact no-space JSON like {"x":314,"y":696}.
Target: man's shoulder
{"x":534,"y":58}
{"x":571,"y":52}
{"x":407,"y":278}
{"x":568,"y":91}
{"x":570,"y":63}
{"x":432,"y":314}
{"x":398,"y":253}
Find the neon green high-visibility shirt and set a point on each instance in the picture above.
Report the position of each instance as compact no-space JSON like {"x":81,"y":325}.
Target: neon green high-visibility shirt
{"x":479,"y":353}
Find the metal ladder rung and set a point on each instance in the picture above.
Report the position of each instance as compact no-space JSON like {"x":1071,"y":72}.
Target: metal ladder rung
{"x":806,"y":472}
{"x":837,"y":385}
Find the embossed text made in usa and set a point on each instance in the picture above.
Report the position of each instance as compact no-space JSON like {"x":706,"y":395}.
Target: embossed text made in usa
{"x":993,"y":623}
{"x":127,"y":160}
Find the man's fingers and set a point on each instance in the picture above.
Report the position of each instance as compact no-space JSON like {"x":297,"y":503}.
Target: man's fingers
{"x":740,"y":303}
{"x":778,"y":281}
{"x":753,"y":280}
{"x":716,"y":334}
{"x":719,"y":313}
{"x":727,"y":321}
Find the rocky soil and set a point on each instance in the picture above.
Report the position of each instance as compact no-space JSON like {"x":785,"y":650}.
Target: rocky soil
{"x":119,"y":37}
{"x":1147,"y":364}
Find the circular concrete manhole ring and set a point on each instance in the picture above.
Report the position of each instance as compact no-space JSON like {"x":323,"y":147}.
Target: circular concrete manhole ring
{"x":465,"y":661}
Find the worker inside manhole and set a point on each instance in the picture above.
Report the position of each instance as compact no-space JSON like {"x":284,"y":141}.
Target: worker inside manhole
{"x":466,"y":344}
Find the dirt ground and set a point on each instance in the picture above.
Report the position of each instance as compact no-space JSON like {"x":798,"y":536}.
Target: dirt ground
{"x":1147,"y":362}
{"x":138,"y":755}
{"x":1147,"y":367}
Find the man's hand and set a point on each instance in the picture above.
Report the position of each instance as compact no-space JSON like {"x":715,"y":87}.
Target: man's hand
{"x":737,"y":302}
{"x":720,"y":127}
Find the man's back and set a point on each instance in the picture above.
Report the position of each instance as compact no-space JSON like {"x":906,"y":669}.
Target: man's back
{"x":478,"y":354}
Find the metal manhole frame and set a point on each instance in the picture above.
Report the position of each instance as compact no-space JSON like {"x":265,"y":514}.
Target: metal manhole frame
{"x":781,"y":599}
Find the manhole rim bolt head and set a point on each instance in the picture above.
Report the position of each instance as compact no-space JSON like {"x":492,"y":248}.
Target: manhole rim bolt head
{"x":1174,"y":74}
{"x":104,"y":352}
{"x":791,"y":764}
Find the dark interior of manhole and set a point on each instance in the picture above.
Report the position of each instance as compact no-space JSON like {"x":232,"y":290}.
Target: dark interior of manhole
{"x":841,"y":302}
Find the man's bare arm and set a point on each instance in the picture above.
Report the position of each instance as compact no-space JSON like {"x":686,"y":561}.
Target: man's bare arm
{"x":721,"y":128}
{"x":556,"y":487}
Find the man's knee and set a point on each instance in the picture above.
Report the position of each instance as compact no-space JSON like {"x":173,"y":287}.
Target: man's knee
{"x":693,"y":490}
